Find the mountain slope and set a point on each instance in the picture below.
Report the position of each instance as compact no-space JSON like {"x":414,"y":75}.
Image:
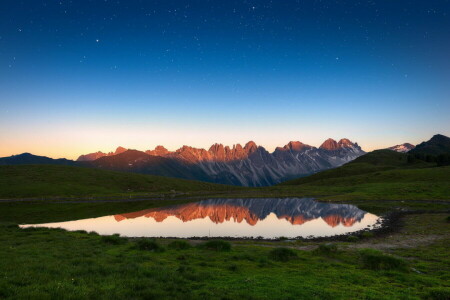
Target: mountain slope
{"x":140,"y":162}
{"x":54,"y":180}
{"x":378,"y":160}
{"x":378,"y":175}
{"x":438,"y":144}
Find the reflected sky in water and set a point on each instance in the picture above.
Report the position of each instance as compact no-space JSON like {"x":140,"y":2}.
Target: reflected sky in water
{"x":259,"y":217}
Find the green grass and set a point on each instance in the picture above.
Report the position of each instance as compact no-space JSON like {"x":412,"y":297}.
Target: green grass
{"x":51,"y":180}
{"x":52,"y":263}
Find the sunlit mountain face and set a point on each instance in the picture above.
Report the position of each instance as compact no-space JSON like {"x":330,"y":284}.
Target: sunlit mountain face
{"x":239,"y":218}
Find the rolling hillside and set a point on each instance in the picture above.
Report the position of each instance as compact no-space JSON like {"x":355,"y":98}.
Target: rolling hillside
{"x":381,"y":175}
{"x":55,"y":180}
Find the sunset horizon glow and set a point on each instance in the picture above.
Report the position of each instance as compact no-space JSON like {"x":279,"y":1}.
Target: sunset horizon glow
{"x":82,"y":77}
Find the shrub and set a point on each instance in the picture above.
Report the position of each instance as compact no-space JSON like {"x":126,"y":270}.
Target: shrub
{"x":376,"y":260}
{"x":149,"y":245}
{"x":326,"y":249}
{"x":352,"y":238}
{"x":114,"y":239}
{"x":282,"y":254}
{"x":179,"y":245}
{"x":448,"y":219}
{"x":217,"y":245}
{"x":367,"y":234}
{"x":438,"y":293}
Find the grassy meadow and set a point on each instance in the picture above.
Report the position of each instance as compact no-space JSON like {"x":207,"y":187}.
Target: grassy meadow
{"x":409,"y":262}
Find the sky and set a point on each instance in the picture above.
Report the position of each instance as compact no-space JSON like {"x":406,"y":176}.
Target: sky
{"x":84,"y":76}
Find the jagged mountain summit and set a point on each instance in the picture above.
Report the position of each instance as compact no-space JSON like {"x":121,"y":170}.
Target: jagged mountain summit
{"x":99,"y":154}
{"x":251,"y":165}
{"x":402,"y":148}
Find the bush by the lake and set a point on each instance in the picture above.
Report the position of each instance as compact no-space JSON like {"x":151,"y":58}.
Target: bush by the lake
{"x":114,"y":239}
{"x":179,"y":245}
{"x":217,"y":245}
{"x":149,"y":245}
{"x":376,"y":260}
{"x":326,"y":249}
{"x":352,"y":238}
{"x":282,"y":254}
{"x":367,"y":234}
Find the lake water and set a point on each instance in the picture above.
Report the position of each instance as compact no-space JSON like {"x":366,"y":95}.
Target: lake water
{"x":238,"y":218}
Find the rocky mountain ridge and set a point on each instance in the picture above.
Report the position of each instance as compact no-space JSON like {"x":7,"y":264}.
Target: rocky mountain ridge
{"x":402,"y":148}
{"x":251,"y":165}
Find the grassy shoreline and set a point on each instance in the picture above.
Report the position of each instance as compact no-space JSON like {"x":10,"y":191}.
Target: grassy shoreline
{"x":52,"y":263}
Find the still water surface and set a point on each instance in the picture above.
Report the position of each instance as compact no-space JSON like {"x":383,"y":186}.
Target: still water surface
{"x":259,"y":217}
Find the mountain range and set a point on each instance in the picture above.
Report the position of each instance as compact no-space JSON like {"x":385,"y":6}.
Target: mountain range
{"x":248,"y":165}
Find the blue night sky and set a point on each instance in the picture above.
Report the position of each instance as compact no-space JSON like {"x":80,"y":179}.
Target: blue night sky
{"x":83,"y":76}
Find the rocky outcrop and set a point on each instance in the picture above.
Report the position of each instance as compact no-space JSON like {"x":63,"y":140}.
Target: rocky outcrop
{"x":99,"y":154}
{"x":403,"y":148}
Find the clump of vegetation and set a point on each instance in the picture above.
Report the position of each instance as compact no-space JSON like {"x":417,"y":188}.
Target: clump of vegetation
{"x":149,"y":245}
{"x":217,"y":245}
{"x":114,"y":239}
{"x":81,"y":231}
{"x":282,"y":254}
{"x":282,"y":238}
{"x":448,"y":219}
{"x":326,"y":249}
{"x":352,"y":238}
{"x":376,"y":260}
{"x":179,"y":245}
{"x":438,"y":293}
{"x":233,"y":268}
{"x":367,"y":234}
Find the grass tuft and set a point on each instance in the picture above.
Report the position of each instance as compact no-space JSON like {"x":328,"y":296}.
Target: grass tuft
{"x":352,"y":238}
{"x":149,"y":245}
{"x":376,"y":260}
{"x":179,"y":245}
{"x":326,"y":249}
{"x":217,"y":245}
{"x":282,"y":254}
{"x":438,"y":293}
{"x":114,"y":239}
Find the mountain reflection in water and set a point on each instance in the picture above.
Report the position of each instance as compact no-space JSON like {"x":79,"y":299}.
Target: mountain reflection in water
{"x":265,"y":217}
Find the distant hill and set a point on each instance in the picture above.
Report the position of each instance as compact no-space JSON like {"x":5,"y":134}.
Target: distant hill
{"x":438,"y":144}
{"x":30,"y":159}
{"x":58,"y":180}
